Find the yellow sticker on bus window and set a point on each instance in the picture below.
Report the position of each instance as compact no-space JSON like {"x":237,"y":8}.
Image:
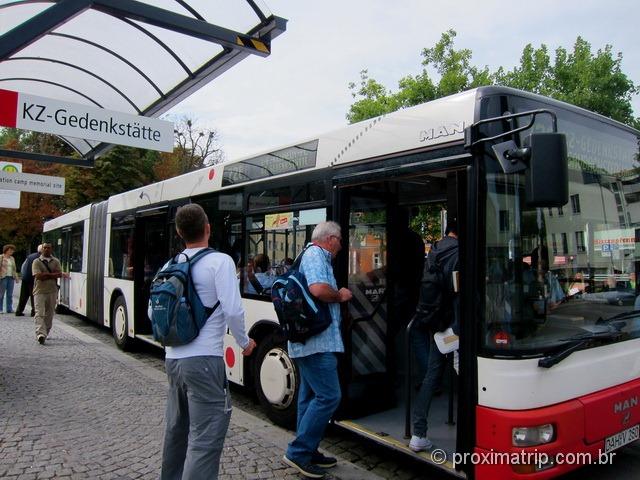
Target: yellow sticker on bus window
{"x":278,"y":221}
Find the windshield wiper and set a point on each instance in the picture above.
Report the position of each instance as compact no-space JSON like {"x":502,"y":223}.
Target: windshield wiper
{"x":576,"y":343}
{"x":620,"y":316}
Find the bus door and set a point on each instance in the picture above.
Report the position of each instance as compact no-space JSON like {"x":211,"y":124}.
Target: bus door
{"x":64,"y":255}
{"x":365,"y":245}
{"x":151,"y":252}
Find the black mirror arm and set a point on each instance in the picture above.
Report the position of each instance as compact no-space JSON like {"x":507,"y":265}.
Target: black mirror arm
{"x":471,"y":132}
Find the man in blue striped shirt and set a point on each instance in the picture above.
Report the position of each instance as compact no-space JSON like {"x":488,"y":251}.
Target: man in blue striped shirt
{"x":319,"y":394}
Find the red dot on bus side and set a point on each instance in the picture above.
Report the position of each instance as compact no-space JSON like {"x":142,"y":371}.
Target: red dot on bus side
{"x":230,"y":357}
{"x":212,"y":173}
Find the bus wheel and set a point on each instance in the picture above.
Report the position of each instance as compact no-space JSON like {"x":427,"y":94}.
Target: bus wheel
{"x":120,"y":324}
{"x":276,"y":380}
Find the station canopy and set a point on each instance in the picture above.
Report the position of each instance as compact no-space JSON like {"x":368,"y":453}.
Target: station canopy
{"x":138,"y":57}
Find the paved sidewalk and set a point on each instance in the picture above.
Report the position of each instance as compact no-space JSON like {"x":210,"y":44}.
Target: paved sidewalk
{"x":75,"y":408}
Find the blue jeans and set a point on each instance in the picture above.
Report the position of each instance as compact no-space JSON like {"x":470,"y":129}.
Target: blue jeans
{"x":318,"y":397}
{"x":429,"y":384}
{"x":6,"y":286}
{"x":419,"y":338}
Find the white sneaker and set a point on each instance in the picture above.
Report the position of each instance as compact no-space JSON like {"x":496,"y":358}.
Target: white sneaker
{"x":418,"y":444}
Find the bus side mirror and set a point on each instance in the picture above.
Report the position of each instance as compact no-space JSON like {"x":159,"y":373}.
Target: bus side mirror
{"x":547,"y":173}
{"x":543,"y":158}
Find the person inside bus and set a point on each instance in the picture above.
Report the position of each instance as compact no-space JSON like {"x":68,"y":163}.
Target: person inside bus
{"x":578,"y":285}
{"x":548,"y":293}
{"x":445,"y":250}
{"x":259,"y":276}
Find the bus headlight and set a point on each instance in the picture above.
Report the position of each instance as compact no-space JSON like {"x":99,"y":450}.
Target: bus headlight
{"x":531,"y":436}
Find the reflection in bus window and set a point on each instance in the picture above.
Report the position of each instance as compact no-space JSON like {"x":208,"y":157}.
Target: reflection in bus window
{"x":585,"y":276}
{"x":279,"y":237}
{"x":77,"y":236}
{"x":121,"y":250}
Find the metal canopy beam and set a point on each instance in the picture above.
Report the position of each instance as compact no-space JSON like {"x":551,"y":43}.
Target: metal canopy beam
{"x":28,"y":32}
{"x":217,"y":66}
{"x":182,"y":24}
{"x":236,"y":47}
{"x":40,"y":157}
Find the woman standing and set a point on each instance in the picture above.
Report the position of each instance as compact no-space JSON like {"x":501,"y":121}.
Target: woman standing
{"x":8,"y":276}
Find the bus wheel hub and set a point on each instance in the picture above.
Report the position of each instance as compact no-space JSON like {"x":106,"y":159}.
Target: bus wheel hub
{"x":277,"y":378}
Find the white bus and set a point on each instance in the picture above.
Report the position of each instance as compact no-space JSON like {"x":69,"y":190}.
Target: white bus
{"x":549,"y":322}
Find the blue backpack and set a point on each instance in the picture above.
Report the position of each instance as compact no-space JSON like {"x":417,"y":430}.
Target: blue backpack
{"x":177,"y":313}
{"x":301,"y":316}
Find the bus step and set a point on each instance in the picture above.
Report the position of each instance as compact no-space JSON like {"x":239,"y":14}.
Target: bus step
{"x":149,"y":339}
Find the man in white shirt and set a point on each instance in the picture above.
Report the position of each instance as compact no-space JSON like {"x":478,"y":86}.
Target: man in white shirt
{"x":198,"y":403}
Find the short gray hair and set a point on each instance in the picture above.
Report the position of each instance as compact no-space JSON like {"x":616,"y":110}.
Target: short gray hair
{"x":325,"y":230}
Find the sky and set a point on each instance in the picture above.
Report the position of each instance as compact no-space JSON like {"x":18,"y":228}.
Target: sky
{"x":302,"y":89}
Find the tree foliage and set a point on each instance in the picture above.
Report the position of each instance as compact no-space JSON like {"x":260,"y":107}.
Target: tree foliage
{"x":594,"y":81}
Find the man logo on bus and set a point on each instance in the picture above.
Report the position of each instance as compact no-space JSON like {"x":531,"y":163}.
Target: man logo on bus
{"x":441,"y":131}
{"x":629,"y":403}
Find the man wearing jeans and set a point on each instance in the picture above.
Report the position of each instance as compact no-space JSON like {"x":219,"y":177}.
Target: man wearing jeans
{"x":319,"y":393}
{"x":198,"y":402}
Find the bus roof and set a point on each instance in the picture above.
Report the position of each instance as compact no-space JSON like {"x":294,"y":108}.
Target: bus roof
{"x":435,"y":123}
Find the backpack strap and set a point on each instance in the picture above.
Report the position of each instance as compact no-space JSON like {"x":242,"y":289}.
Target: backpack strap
{"x":194,"y":258}
{"x":298,"y":260}
{"x":255,"y":283}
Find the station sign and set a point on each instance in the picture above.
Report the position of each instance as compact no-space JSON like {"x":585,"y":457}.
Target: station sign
{"x":46,"y":115}
{"x":9,"y":198}
{"x":30,"y":182}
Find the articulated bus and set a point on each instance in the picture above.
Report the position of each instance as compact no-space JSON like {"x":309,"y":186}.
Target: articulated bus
{"x":546,"y":197}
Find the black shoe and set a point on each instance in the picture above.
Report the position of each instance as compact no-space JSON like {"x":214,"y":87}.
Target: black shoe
{"x":19,"y":314}
{"x":323,"y":461}
{"x":41,"y":339}
{"x":310,"y":470}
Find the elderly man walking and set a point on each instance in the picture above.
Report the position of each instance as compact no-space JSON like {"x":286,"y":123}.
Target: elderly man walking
{"x":319,"y":393}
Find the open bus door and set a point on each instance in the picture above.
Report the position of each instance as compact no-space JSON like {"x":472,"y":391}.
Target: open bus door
{"x":379,"y":371}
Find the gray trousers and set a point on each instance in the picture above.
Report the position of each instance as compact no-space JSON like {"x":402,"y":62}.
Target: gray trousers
{"x":197,"y":418}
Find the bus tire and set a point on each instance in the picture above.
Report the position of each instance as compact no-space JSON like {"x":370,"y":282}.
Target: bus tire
{"x":120,"y":324}
{"x":277,"y":381}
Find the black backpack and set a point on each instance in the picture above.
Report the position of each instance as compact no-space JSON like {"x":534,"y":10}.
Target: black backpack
{"x":300,"y":314}
{"x":435,"y":307}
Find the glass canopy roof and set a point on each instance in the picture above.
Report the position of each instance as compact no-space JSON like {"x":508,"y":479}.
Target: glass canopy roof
{"x":138,"y":57}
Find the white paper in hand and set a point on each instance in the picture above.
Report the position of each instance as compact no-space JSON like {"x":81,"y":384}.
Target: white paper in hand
{"x":446,"y":341}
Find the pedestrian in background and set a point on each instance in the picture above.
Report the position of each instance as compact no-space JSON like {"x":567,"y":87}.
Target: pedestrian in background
{"x":26,"y":288}
{"x":198,"y":403}
{"x":8,"y":277}
{"x":46,"y":270}
{"x":319,"y":394}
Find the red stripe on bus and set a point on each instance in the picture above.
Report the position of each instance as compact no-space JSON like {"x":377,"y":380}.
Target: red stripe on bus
{"x":8,"y":108}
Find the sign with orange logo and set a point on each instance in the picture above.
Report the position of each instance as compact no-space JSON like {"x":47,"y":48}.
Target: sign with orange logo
{"x":278,"y":221}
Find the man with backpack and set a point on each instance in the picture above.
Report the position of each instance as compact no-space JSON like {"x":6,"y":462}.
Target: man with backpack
{"x":198,"y":402}
{"x":26,"y":289}
{"x":437,"y":310}
{"x":316,"y":360}
{"x":46,"y":271}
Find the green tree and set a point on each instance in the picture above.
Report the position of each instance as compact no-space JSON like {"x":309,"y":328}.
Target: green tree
{"x":592,"y":81}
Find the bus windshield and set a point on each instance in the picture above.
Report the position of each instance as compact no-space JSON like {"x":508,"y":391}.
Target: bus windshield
{"x":556,"y":274}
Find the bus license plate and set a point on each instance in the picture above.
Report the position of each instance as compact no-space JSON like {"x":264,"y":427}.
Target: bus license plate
{"x":621,"y":439}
